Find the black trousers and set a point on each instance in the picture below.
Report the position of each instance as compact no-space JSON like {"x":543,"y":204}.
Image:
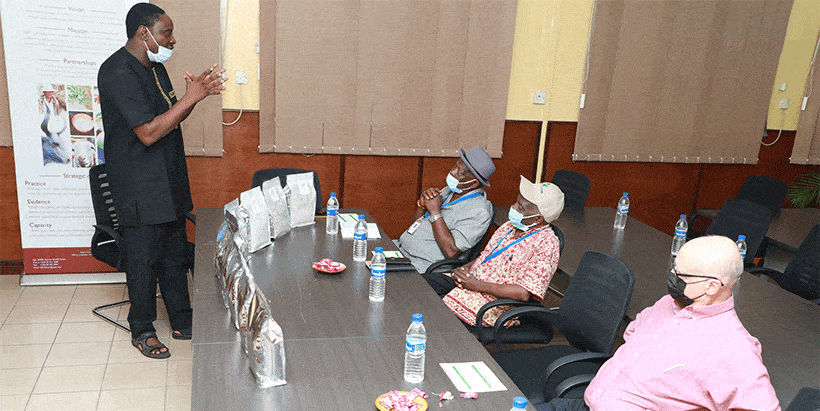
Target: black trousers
{"x":441,"y":283}
{"x":157,"y":254}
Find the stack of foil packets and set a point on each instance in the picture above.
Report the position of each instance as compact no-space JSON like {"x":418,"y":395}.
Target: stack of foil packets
{"x":261,"y":336}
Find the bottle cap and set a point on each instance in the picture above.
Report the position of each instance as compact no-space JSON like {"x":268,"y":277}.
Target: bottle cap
{"x":519,"y":402}
{"x":379,"y":250}
{"x":333,"y":194}
{"x":626,"y":194}
{"x":418,"y":318}
{"x":683,"y":216}
{"x":741,"y":237}
{"x":361,"y":216}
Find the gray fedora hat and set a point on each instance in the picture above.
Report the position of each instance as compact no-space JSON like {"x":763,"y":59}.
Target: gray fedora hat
{"x":479,"y":163}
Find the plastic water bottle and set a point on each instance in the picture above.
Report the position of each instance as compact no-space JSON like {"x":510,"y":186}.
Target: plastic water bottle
{"x":519,"y":404}
{"x":680,"y":234}
{"x":360,"y":240}
{"x":378,"y":267}
{"x":332,"y":223}
{"x":741,"y":246}
{"x":414,"y":355}
{"x":623,"y":209}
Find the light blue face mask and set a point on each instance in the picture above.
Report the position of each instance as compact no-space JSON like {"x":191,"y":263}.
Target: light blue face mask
{"x":453,"y":183}
{"x":162,"y":55}
{"x":516,"y":219}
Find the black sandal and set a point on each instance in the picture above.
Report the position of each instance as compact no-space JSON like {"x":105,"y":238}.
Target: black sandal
{"x":183,"y":334}
{"x":141,"y":343}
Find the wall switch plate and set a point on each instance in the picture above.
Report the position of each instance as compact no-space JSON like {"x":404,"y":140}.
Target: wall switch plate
{"x":782,"y":86}
{"x":784,"y":103}
{"x":539,"y":98}
{"x":241,"y":77}
{"x":256,"y":47}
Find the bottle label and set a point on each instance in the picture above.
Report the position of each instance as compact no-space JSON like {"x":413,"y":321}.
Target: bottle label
{"x":377,"y":273}
{"x":360,"y":236}
{"x":415,"y":348}
{"x":332,"y":212}
{"x":623,"y":209}
{"x":742,"y":256}
{"x":680,"y":233}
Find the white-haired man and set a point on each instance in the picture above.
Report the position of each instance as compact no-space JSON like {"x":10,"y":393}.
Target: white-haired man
{"x":689,"y":351}
{"x":518,"y":261}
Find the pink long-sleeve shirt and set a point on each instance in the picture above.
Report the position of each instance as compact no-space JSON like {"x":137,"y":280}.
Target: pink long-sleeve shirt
{"x":695,"y":358}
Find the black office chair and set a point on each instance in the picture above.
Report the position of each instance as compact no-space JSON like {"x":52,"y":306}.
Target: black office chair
{"x":766,"y":191}
{"x":738,"y":217}
{"x":590,"y":316}
{"x":449,"y":264}
{"x":807,"y":399}
{"x":260,"y":176}
{"x":533,"y":328}
{"x":575,"y":187}
{"x":802,"y":275}
{"x":106,"y":243}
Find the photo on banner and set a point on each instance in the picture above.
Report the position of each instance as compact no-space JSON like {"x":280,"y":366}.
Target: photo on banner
{"x":53,"y":51}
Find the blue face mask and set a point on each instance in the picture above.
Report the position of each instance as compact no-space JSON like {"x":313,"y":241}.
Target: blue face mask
{"x":162,"y":55}
{"x":516,"y":218}
{"x":453,"y":183}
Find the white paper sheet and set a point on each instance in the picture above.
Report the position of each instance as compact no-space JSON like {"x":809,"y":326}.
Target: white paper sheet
{"x":347,"y":228}
{"x":472,"y":377}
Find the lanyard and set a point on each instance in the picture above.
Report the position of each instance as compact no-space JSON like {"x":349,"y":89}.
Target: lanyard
{"x":473,"y":195}
{"x":494,"y":253}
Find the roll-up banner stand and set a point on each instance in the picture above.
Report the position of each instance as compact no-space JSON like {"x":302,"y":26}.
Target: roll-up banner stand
{"x":53,"y":52}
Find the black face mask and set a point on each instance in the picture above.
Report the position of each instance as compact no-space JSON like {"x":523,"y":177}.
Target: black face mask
{"x":675,"y":287}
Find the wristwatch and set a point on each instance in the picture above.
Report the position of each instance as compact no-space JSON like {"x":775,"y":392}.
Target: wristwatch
{"x":432,"y":219}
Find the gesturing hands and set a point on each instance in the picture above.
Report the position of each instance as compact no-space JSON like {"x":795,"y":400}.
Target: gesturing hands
{"x":206,"y":84}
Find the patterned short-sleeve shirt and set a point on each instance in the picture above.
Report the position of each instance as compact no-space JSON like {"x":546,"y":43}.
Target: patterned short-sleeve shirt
{"x":530,"y":264}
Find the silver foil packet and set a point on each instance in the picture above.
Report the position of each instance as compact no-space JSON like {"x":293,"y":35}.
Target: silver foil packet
{"x":277,"y":207}
{"x":301,"y":199}
{"x":235,"y":285}
{"x":248,"y":311}
{"x":234,"y":268}
{"x":267,"y":357}
{"x":253,"y":202}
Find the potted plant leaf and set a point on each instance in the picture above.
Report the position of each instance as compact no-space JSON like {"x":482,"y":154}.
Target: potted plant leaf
{"x":805,"y":190}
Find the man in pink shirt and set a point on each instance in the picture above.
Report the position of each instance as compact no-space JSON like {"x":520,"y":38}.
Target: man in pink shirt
{"x":689,"y":351}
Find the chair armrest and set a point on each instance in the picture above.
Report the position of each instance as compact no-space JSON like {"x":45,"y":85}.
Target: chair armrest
{"x":191,"y":217}
{"x":709,"y":213}
{"x":444,"y":265}
{"x":479,"y":317}
{"x":529,"y":309}
{"x":572,"y":382}
{"x":593,"y":357}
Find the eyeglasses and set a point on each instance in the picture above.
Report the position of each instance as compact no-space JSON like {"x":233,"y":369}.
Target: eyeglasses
{"x":705,"y":277}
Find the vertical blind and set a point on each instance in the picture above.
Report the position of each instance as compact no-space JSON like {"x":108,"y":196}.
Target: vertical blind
{"x":806,"y":148}
{"x":197,"y":32}
{"x":385,"y":77}
{"x":680,"y":81}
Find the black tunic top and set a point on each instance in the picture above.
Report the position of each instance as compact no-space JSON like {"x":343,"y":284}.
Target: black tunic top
{"x":149,"y":183}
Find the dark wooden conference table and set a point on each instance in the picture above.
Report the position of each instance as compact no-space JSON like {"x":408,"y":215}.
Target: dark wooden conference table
{"x":787,"y":326}
{"x":342,"y":351}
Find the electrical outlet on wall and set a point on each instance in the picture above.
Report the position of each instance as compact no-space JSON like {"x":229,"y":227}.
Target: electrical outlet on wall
{"x":784,"y":103}
{"x":241,"y":77}
{"x":539,"y":98}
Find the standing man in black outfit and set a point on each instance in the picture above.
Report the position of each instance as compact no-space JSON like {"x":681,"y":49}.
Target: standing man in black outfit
{"x":147,"y":172}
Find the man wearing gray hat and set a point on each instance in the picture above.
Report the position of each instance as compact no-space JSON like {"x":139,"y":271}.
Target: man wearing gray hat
{"x":518,"y":261}
{"x":450,"y":221}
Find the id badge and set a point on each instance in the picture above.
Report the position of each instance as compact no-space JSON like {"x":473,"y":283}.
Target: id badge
{"x":414,"y":227}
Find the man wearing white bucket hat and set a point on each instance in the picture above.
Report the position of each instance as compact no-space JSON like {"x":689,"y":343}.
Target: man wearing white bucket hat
{"x":518,"y":261}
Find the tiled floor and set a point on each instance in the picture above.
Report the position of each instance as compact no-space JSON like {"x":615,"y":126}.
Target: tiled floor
{"x":56,"y":355}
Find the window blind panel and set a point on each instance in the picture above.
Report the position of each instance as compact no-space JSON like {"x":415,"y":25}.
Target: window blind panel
{"x":806,"y":148}
{"x":197,"y":32}
{"x":267,"y":74}
{"x":680,"y":81}
{"x":389,"y":77}
{"x":5,"y":117}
